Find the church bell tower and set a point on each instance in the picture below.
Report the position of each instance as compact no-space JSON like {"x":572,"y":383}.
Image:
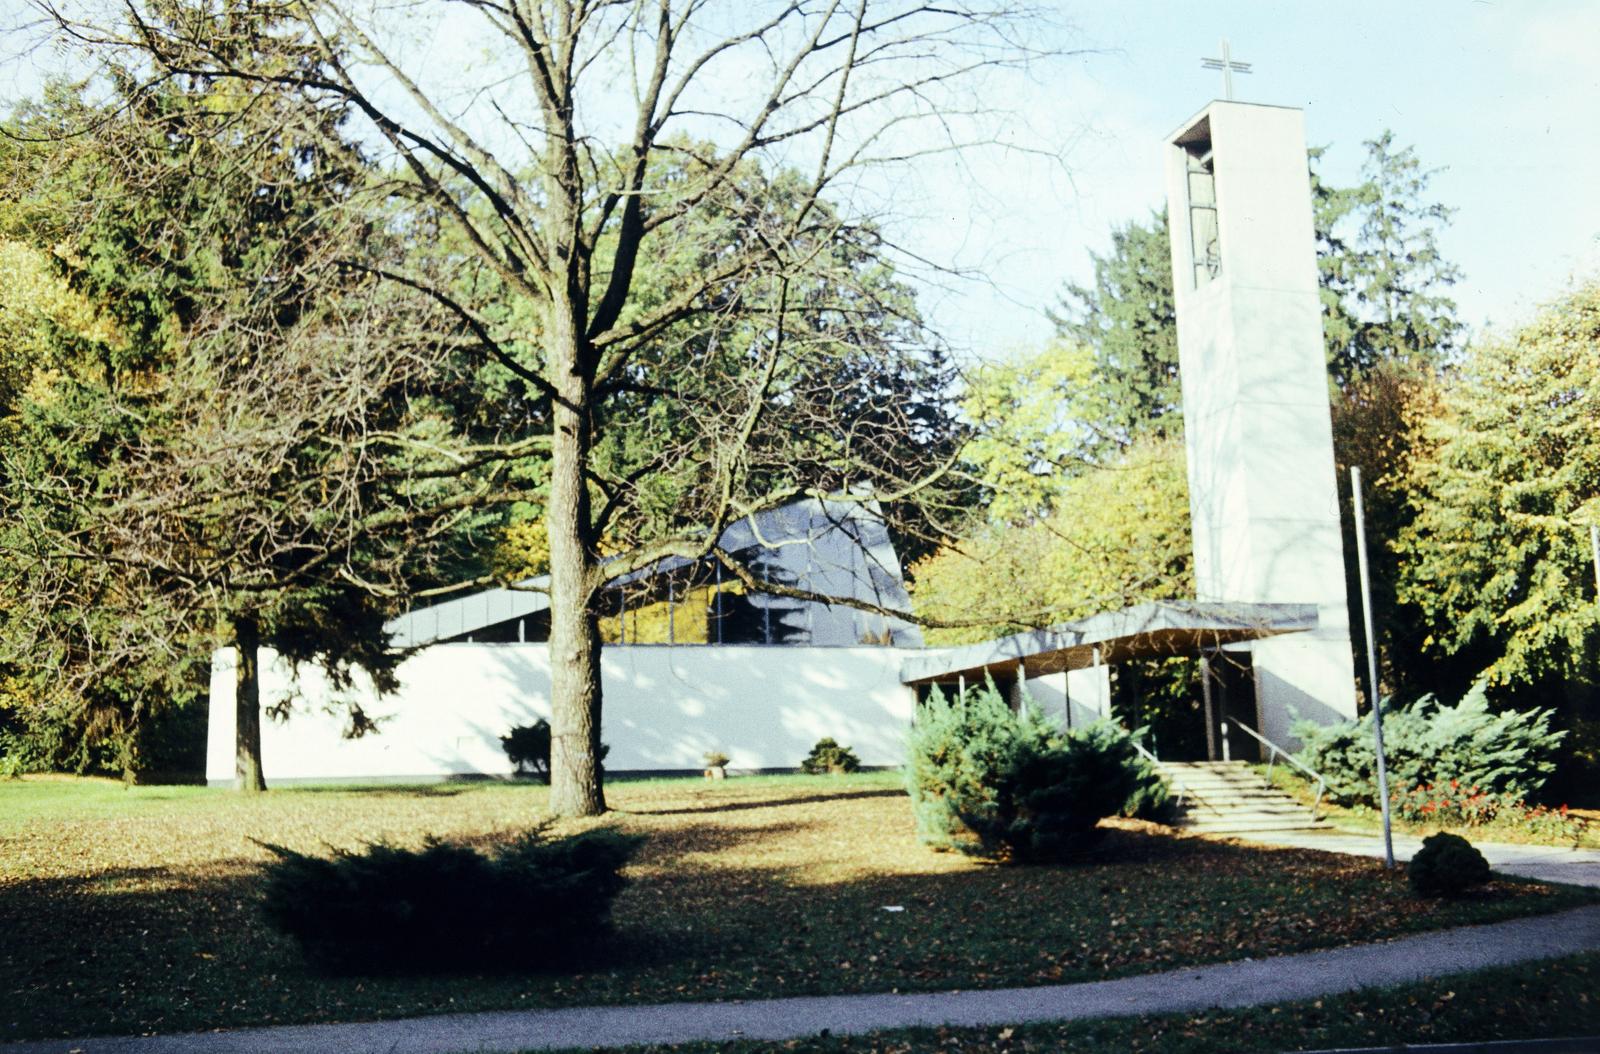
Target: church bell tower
{"x":1262,"y":487}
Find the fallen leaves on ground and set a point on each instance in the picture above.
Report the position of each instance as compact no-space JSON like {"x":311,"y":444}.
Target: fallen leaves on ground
{"x":136,"y":910}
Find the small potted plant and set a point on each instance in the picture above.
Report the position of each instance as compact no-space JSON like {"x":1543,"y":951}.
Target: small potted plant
{"x":716,"y":765}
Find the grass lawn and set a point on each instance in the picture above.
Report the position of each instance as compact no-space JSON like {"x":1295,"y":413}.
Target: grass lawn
{"x":136,"y":910}
{"x":1547,"y":1000}
{"x":1364,"y":820}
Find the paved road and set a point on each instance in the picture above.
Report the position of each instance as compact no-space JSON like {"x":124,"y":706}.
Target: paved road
{"x":1248,"y":983}
{"x":1578,"y":867}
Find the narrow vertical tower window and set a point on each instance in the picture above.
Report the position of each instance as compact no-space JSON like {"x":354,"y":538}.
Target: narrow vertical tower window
{"x":1205,"y":242}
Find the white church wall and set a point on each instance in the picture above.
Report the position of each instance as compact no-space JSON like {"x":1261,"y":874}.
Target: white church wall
{"x":1089,"y":694}
{"x":1073,"y":698}
{"x":1292,"y":675}
{"x":664,"y":708}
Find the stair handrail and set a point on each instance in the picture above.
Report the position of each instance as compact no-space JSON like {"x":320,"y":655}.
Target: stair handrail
{"x":1272,"y":758}
{"x":1184,"y":793}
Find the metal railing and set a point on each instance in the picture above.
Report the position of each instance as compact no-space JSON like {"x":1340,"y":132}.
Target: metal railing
{"x":1272,"y":759}
{"x":1185,"y":795}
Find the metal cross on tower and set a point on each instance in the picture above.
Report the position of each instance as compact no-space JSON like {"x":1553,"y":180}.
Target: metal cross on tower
{"x":1228,"y":68}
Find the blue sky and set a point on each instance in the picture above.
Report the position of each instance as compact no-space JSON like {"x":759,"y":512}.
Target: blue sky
{"x":1503,"y":96}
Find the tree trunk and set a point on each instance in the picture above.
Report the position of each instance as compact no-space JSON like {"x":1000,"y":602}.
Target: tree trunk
{"x":247,"y":774}
{"x":574,"y":627}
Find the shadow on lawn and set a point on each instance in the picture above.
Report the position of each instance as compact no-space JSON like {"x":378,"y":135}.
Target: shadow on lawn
{"x":171,"y":949}
{"x":446,"y":788}
{"x":174,"y":950}
{"x":765,"y":803}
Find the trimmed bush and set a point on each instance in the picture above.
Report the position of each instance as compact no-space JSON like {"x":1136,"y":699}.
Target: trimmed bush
{"x":828,"y":757}
{"x":1014,"y":786}
{"x":528,"y":747}
{"x":1447,"y":865}
{"x":1507,"y":755}
{"x":531,"y":902}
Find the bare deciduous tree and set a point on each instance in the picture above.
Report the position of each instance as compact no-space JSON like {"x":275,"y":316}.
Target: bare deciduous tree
{"x":589,"y":146}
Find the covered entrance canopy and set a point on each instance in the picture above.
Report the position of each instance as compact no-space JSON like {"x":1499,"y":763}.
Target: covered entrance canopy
{"x":1147,"y":631}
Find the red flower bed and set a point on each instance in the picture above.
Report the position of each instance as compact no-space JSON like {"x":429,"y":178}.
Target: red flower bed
{"x":1452,"y":805}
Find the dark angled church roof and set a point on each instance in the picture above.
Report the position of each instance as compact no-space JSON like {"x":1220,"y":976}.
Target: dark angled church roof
{"x":837,"y":548}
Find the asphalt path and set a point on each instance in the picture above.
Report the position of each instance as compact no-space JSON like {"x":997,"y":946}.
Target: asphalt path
{"x":1250,"y":982}
{"x":1547,"y":863}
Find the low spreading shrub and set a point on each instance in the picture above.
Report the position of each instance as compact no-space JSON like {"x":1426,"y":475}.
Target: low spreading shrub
{"x":1446,"y":866}
{"x":528,"y":903}
{"x":829,"y":757}
{"x":1152,"y":796}
{"x":1014,"y":786}
{"x":1507,"y":755}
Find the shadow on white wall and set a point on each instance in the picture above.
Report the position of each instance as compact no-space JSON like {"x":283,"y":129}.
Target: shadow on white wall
{"x":665,"y":707}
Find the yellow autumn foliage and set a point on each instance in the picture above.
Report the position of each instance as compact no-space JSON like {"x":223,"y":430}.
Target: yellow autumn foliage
{"x":1119,"y":535}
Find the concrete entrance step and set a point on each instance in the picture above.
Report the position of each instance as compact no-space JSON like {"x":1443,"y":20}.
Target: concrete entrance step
{"x":1200,"y":813}
{"x":1281,"y":827}
{"x":1227,"y":797}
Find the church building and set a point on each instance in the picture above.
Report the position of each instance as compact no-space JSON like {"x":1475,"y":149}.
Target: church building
{"x":693,"y":663}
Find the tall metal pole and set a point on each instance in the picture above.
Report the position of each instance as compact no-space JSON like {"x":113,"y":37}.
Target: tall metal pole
{"x":1372,"y":664}
{"x":1594,"y":546}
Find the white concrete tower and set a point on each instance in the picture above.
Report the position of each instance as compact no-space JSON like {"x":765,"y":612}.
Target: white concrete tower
{"x":1262,"y":491}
